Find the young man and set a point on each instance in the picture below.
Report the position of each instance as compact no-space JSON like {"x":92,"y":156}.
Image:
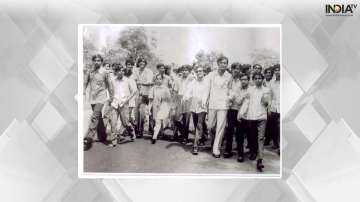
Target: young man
{"x":197,"y":94}
{"x":274,"y":118}
{"x":184,"y":111}
{"x":256,"y":68}
{"x":144,"y":78}
{"x":132,"y":81}
{"x":100,"y":86}
{"x":218,"y":93}
{"x":268,"y":74}
{"x":233,"y":125}
{"x":241,"y":94}
{"x":160,"y":103}
{"x":166,"y":79}
{"x":256,"y":117}
{"x":123,"y":92}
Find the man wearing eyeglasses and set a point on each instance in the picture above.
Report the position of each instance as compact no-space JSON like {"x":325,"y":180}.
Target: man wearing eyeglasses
{"x":255,"y":115}
{"x":197,"y":94}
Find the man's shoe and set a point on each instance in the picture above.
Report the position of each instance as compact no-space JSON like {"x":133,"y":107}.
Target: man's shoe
{"x":240,"y":159}
{"x":195,"y":151}
{"x":111,"y":145}
{"x":87,"y":143}
{"x":153,"y":141}
{"x":227,"y":155}
{"x":216,"y":155}
{"x":259,"y":165}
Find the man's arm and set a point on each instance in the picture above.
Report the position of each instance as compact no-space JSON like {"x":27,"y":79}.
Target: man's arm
{"x":208,"y":90}
{"x":133,"y":91}
{"x":110,"y":86}
{"x":86,"y":81}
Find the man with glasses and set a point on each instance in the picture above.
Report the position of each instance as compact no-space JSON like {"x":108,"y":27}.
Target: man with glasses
{"x":256,"y":116}
{"x":197,"y":94}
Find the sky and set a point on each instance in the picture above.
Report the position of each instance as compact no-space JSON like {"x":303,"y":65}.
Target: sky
{"x":180,"y":44}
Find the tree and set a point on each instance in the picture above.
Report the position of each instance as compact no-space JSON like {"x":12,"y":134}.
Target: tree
{"x":208,"y":59}
{"x":89,"y":50}
{"x":136,"y":43}
{"x":264,"y":57}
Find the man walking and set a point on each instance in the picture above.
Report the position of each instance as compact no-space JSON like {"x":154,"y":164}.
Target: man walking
{"x":100,"y":86}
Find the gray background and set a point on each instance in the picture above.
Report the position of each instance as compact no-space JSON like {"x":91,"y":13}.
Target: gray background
{"x":38,"y":85}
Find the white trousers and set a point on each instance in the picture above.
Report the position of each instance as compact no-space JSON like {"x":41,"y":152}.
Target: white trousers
{"x":217,"y":117}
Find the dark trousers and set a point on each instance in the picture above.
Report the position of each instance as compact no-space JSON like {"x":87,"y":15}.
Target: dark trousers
{"x":274,"y":128}
{"x":200,"y":126}
{"x":96,"y":125}
{"x":183,"y":125}
{"x":140,"y":113}
{"x":256,"y":137}
{"x":237,"y":128}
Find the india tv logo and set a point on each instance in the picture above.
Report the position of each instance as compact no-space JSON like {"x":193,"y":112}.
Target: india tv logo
{"x":340,"y":9}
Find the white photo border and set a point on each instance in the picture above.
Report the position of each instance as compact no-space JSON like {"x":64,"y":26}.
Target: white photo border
{"x":113,"y":175}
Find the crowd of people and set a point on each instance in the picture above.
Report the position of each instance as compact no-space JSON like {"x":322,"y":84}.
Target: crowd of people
{"x":240,"y":100}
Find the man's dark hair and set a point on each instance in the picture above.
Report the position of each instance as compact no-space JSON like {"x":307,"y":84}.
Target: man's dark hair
{"x":160,"y":65}
{"x":235,"y":65}
{"x":97,"y":56}
{"x":141,"y":60}
{"x":247,"y":76}
{"x":186,"y":67}
{"x":117,"y":67}
{"x":256,"y":66}
{"x":269,"y":69}
{"x":245,"y":68}
{"x":129,"y":61}
{"x":222,"y":58}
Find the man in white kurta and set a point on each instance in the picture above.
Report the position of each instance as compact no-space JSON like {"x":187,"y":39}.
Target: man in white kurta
{"x":218,"y":97}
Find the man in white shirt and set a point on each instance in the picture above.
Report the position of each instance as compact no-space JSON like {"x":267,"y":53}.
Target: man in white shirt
{"x":120,"y":104}
{"x":185,"y":114}
{"x":268,"y":75}
{"x":256,"y":116}
{"x":218,"y":93}
{"x":144,"y":80}
{"x":132,"y":81}
{"x":197,"y":94}
{"x":274,"y":118}
{"x":166,"y":79}
{"x":241,"y":95}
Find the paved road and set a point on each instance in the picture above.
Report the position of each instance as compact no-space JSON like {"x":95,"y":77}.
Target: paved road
{"x":166,"y":156}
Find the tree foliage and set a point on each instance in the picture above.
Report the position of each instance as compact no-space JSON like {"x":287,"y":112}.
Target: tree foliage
{"x":265,"y":57}
{"x":207,"y":58}
{"x":136,"y":43}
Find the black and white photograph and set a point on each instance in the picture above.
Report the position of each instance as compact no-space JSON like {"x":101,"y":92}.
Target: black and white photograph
{"x":199,"y":100}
